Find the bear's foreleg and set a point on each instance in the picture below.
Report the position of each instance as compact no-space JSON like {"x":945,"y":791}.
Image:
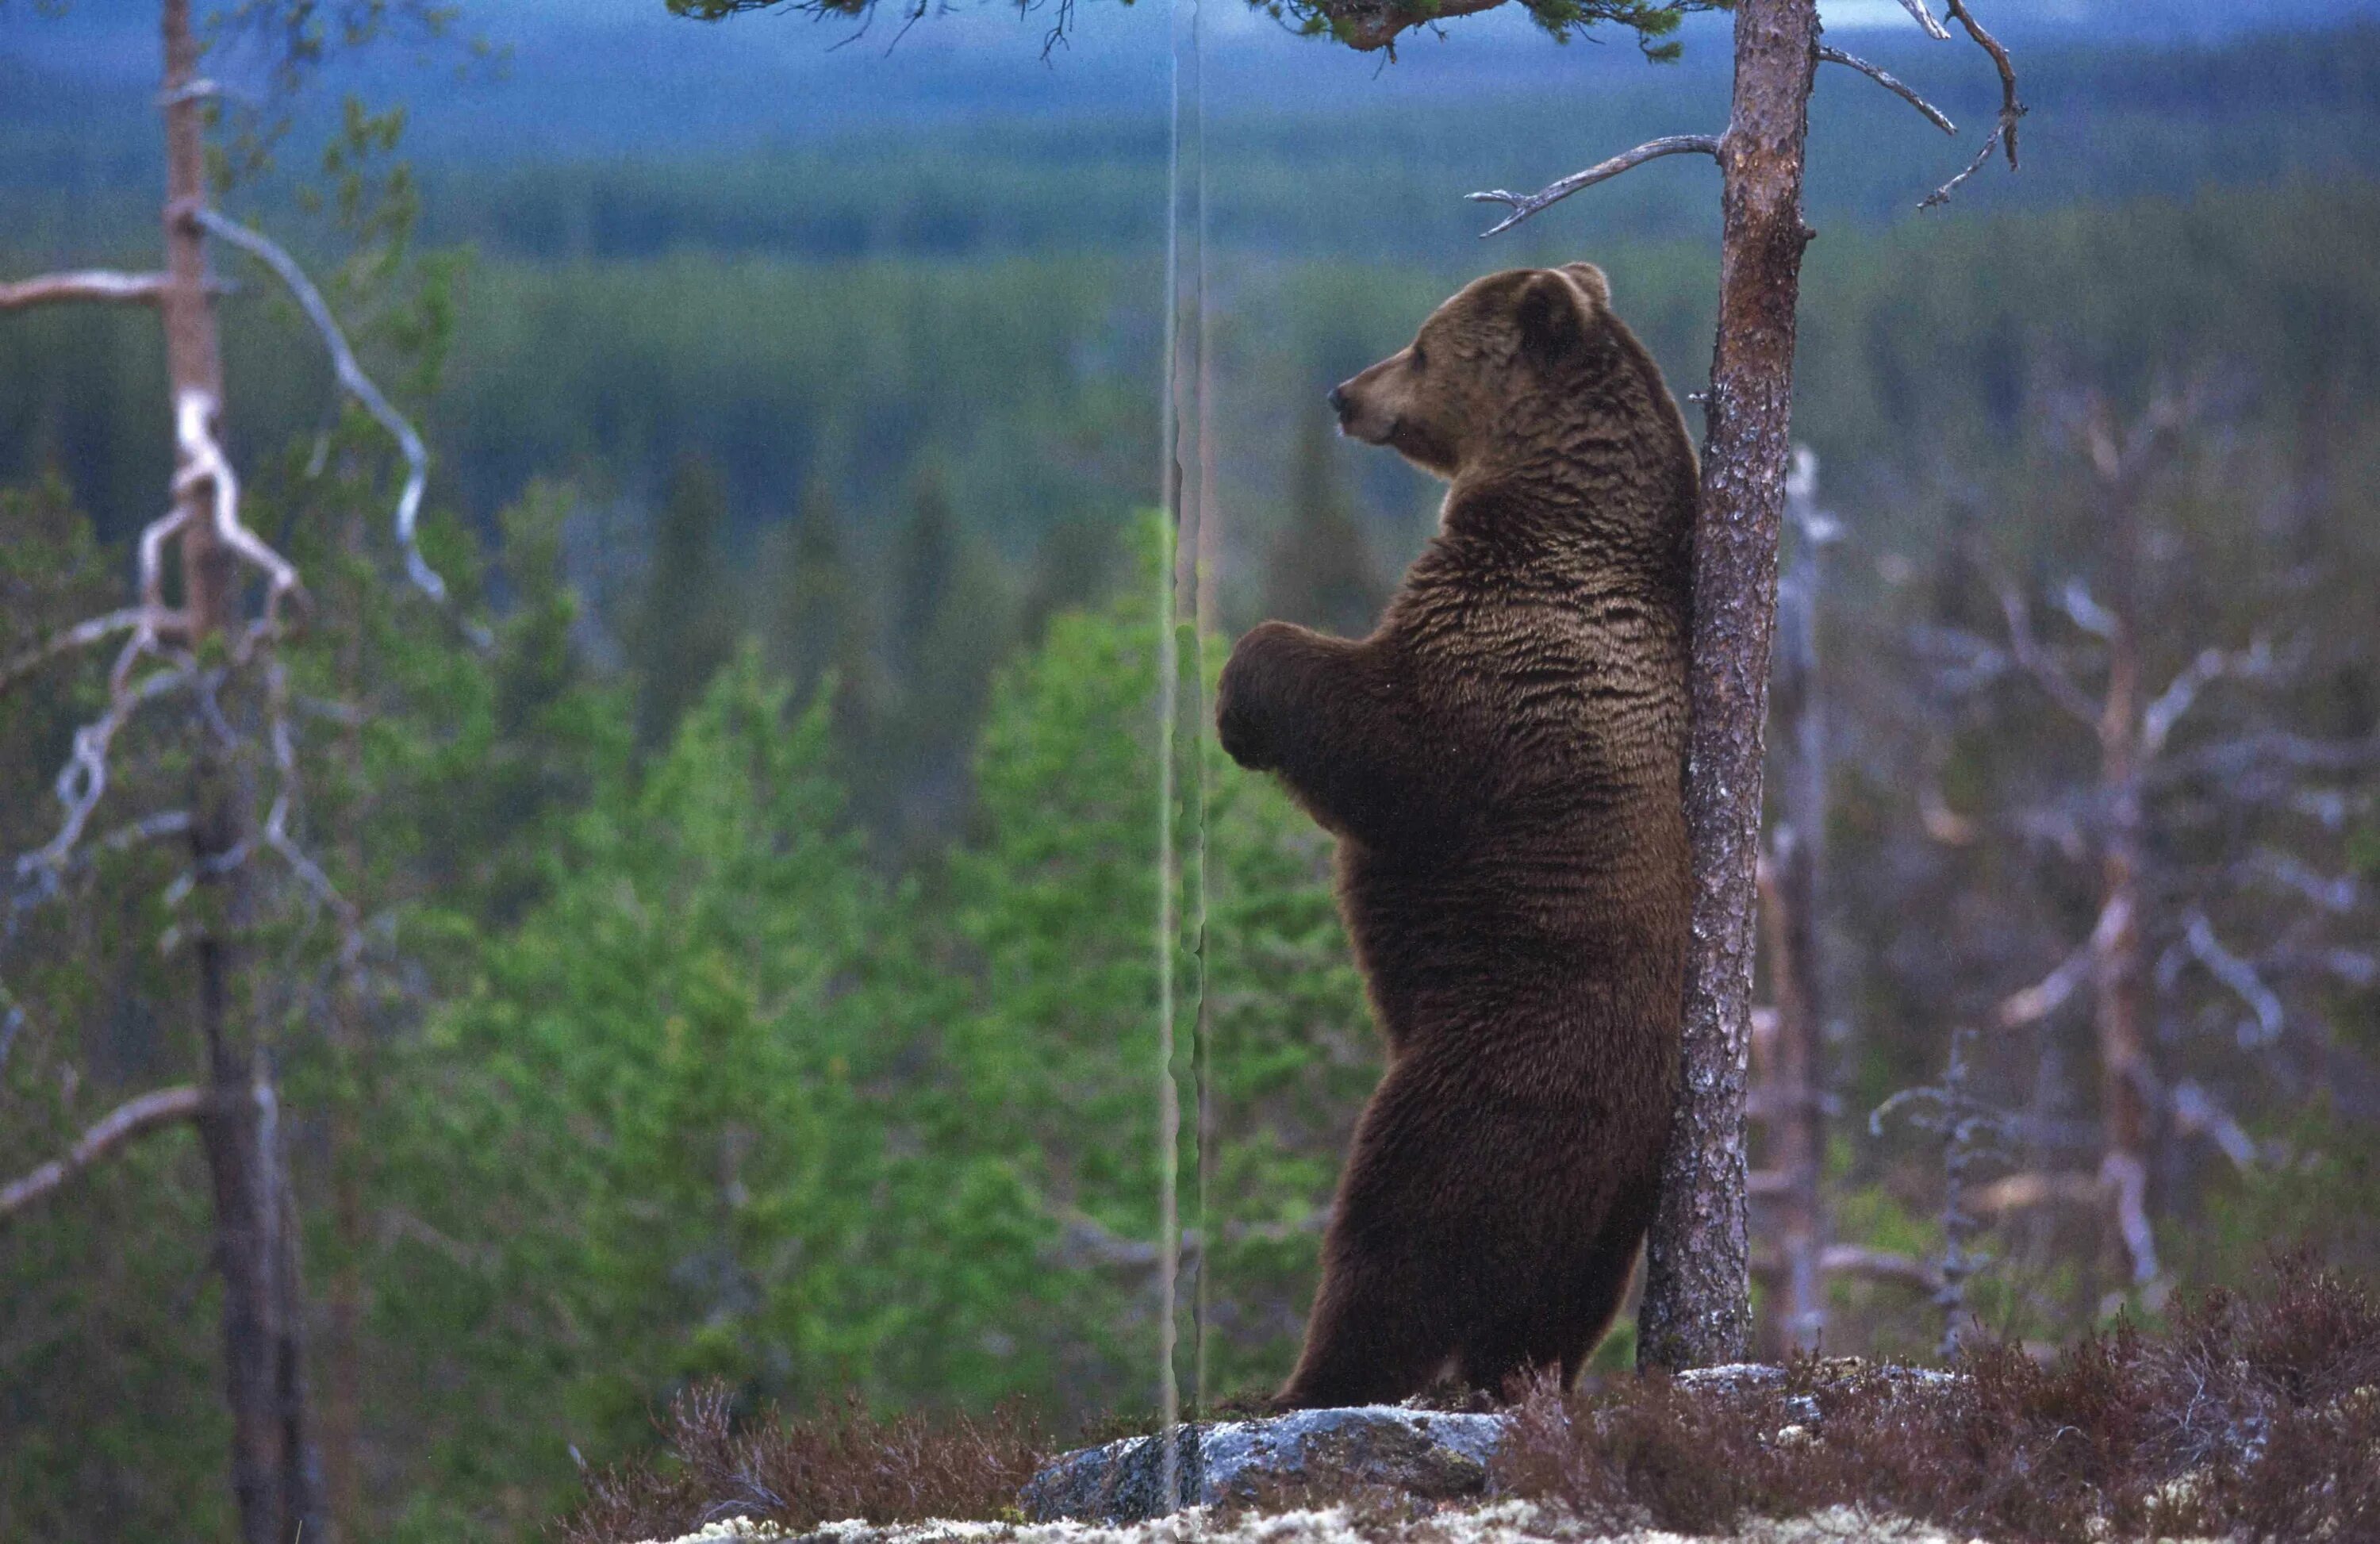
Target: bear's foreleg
{"x":1323,"y":715}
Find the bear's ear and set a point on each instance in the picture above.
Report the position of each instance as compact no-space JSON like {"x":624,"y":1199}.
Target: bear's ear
{"x":1588,"y":277}
{"x":1552,"y":325}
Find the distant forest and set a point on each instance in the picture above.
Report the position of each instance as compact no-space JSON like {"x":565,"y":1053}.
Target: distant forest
{"x":761,"y":925}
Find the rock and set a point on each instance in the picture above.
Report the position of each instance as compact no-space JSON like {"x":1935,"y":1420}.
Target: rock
{"x":1428,"y":1453}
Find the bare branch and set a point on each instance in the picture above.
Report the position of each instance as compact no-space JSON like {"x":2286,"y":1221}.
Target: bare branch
{"x":2198,"y":1112}
{"x":136,"y":1118}
{"x":1924,"y":17}
{"x":203,"y":462}
{"x":2010,"y":108}
{"x":92,"y":285}
{"x":2025,"y":1192}
{"x":83,"y":780}
{"x":2212,"y":664}
{"x":2035,"y":659}
{"x":82,"y":635}
{"x":2086,"y":612}
{"x":1942,"y":195}
{"x":1890,"y":82}
{"x":1523,"y":206}
{"x":1879,"y":1265}
{"x":276,"y":822}
{"x":2046,"y":996}
{"x":2241,"y":978}
{"x":2232,"y":759}
{"x":2337,"y":897}
{"x":1856,"y":1259}
{"x":357,"y":385}
{"x":2127,"y":1177}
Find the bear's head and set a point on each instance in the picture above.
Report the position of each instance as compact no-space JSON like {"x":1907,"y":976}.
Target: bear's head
{"x":1448,"y":397}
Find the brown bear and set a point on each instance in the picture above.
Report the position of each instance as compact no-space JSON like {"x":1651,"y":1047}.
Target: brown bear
{"x":1502,"y":763}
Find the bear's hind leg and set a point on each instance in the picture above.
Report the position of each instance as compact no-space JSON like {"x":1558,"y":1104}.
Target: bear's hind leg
{"x":1372,"y":1339}
{"x":1561,"y":1329}
{"x":1610,"y":1266}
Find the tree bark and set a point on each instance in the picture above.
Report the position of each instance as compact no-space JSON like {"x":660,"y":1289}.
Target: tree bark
{"x":264,"y":1387}
{"x":2118,"y":975}
{"x":1696,"y":1307}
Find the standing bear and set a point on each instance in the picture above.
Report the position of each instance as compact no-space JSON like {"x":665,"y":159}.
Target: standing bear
{"x":1502,"y":763}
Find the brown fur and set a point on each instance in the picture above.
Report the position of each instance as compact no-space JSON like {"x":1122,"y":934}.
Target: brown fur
{"x":1503,"y":762}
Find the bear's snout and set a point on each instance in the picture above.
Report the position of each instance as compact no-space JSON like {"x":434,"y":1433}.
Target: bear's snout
{"x":1363,"y":413}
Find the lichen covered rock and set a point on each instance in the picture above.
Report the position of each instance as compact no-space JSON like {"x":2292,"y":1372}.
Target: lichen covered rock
{"x":1431,"y":1455}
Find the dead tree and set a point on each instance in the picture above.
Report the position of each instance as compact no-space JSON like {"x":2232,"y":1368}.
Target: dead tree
{"x":1696,"y":1307}
{"x":213,"y":653}
{"x":2152,"y":922}
{"x":1790,"y":1099}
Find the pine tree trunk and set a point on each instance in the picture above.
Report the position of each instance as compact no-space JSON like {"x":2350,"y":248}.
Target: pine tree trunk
{"x":1696,"y":1308}
{"x":2118,"y":975}
{"x":262,"y":1384}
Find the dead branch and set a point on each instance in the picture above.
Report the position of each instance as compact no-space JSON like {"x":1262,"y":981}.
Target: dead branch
{"x":2010,"y":108}
{"x":357,"y":385}
{"x":2232,"y":759}
{"x":2126,"y":1175}
{"x":2339,"y":896}
{"x":1942,"y":195}
{"x":1858,"y":1259}
{"x":2003,"y":134}
{"x":90,"y":284}
{"x":1924,"y":18}
{"x":275,"y":832}
{"x":2029,"y":653}
{"x":1879,"y":1265}
{"x":2086,"y":612}
{"x":133,"y":1119}
{"x":2200,"y":1114}
{"x":203,"y":463}
{"x":82,"y":635}
{"x":83,"y":780}
{"x":1890,"y":82}
{"x":2025,"y":1192}
{"x":2159,"y":719}
{"x":1523,"y":206}
{"x":2031,"y":1004}
{"x":2240,"y":977}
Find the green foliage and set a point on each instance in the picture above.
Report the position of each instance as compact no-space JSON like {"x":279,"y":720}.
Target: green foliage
{"x":1358,"y":23}
{"x":684,"y":622}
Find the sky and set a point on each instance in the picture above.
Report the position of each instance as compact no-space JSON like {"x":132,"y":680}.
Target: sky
{"x":595,"y":78}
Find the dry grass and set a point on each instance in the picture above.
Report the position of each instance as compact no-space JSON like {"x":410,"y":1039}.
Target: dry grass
{"x":798,"y":1473}
{"x":2252,"y":1418}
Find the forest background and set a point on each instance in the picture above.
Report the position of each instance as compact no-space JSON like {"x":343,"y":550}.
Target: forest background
{"x":758,"y":977}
